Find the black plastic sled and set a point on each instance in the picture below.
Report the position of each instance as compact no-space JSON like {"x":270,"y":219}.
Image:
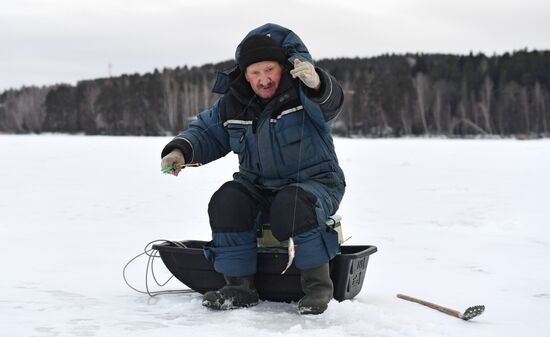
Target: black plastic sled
{"x":189,"y":265}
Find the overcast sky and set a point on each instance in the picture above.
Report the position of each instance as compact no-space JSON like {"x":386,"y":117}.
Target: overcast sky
{"x":63,"y":41}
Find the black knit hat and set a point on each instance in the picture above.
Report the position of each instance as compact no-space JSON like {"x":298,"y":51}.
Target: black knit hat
{"x":257,"y":48}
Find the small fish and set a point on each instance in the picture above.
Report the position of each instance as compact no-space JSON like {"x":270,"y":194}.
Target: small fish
{"x":291,"y":253}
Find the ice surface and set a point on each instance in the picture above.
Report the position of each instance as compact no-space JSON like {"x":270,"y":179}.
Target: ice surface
{"x":456,"y":222}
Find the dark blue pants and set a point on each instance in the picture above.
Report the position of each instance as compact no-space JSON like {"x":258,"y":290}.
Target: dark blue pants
{"x":299,"y":211}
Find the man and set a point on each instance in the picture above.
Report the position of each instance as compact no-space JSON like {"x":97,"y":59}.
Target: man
{"x":275,"y":114}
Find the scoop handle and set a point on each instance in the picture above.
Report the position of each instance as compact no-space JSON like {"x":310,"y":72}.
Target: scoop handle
{"x":445,"y":310}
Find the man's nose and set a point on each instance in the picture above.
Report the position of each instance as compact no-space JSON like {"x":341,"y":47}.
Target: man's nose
{"x":264,"y":79}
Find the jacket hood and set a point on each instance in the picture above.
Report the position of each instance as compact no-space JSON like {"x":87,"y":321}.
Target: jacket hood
{"x":289,"y":41}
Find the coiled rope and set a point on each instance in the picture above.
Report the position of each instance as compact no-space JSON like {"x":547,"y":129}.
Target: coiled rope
{"x":154,"y":254}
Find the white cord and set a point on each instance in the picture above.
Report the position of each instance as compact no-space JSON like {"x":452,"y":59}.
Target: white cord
{"x":154,"y":254}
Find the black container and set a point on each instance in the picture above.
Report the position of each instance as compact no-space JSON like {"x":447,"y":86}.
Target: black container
{"x":190,"y":266}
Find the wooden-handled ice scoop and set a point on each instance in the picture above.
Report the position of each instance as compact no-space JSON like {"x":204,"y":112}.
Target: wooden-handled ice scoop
{"x":470,"y":313}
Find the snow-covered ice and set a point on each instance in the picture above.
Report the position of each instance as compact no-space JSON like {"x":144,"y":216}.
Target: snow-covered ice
{"x":456,"y":222}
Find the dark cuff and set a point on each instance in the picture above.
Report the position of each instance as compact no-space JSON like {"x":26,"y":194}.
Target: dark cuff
{"x":183,"y":145}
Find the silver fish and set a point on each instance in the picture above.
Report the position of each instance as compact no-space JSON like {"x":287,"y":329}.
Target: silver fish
{"x":291,"y":253}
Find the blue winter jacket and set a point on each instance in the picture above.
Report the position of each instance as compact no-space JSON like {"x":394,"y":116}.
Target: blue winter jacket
{"x":287,"y":141}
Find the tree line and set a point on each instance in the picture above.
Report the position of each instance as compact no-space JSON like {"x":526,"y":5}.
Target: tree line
{"x":385,"y":96}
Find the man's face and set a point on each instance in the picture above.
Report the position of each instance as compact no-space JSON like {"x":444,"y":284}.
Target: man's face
{"x":264,"y":78}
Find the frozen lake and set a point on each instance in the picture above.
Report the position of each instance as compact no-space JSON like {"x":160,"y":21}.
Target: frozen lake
{"x":456,"y":222}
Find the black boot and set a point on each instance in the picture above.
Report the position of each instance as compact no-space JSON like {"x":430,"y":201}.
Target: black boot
{"x":239,"y":292}
{"x":317,"y":286}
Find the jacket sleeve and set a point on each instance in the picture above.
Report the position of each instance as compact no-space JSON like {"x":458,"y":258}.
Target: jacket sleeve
{"x":330,"y":96}
{"x":204,"y":141}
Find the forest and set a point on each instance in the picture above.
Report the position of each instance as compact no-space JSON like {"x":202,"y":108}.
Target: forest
{"x":385,"y":96}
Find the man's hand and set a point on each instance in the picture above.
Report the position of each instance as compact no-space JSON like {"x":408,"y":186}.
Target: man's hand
{"x":171,"y":159}
{"x":307,"y":74}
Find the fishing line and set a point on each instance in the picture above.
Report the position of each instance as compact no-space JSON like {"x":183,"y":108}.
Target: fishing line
{"x":298,"y":173}
{"x":291,"y":245}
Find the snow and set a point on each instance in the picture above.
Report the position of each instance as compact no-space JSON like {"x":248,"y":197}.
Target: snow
{"x":456,"y":222}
